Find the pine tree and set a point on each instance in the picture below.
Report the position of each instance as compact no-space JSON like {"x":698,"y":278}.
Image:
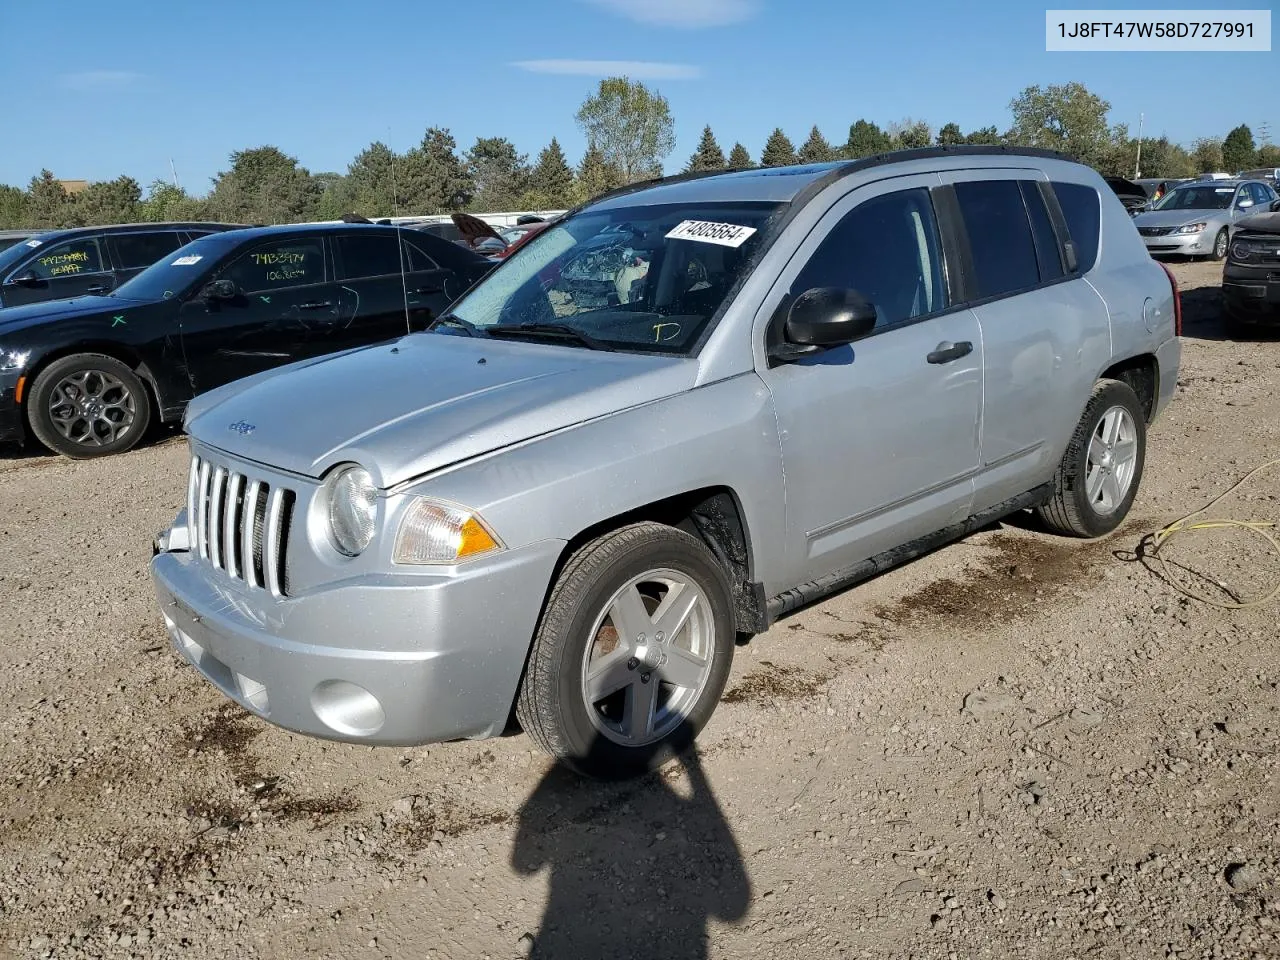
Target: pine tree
{"x":708,"y":156}
{"x":739,"y":158}
{"x":950,"y":135}
{"x":435,"y":179}
{"x":1238,"y":149}
{"x":816,"y":149}
{"x":596,"y":175}
{"x":865,"y":140}
{"x":778,"y":150}
{"x":551,"y":183}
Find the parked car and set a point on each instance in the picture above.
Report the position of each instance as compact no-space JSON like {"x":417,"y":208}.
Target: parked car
{"x":1131,"y":194}
{"x":86,"y":376}
{"x":574,"y":503}
{"x":1270,"y":174}
{"x":1251,"y":277}
{"x":59,"y":264}
{"x":8,"y":238}
{"x":1195,"y":218}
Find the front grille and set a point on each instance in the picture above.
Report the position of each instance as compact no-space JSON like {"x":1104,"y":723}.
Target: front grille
{"x":1155,"y":231}
{"x":239,"y":524}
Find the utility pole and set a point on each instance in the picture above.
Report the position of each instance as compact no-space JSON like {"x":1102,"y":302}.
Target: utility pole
{"x":175,"y":174}
{"x":1137,"y":163}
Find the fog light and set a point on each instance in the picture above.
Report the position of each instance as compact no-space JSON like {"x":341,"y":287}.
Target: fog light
{"x":347,"y":708}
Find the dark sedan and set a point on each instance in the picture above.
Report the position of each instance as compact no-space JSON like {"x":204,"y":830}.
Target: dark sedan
{"x":86,"y":376}
{"x":1251,"y":280}
{"x":58,"y":264}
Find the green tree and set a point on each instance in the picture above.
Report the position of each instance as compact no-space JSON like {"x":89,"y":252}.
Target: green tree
{"x":865,"y":140}
{"x":1065,"y":117}
{"x":49,"y":206}
{"x":166,"y":202}
{"x":984,"y":136}
{"x":708,"y":156}
{"x":110,"y":201}
{"x":596,"y":175}
{"x":950,"y":135}
{"x":370,"y":187}
{"x":778,"y":150}
{"x":435,"y":179}
{"x":815,"y":149}
{"x":551,"y":182}
{"x":1206,"y":155}
{"x":910,"y":134}
{"x":1238,"y":150}
{"x":630,"y":125}
{"x":1160,"y":158}
{"x":499,"y":173}
{"x":264,"y":185}
{"x":739,"y":158}
{"x":1268,"y":155}
{"x":13,"y":207}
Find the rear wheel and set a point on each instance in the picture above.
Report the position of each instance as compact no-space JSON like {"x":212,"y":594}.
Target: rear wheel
{"x":1102,"y":467}
{"x":88,"y":405}
{"x":631,"y":654}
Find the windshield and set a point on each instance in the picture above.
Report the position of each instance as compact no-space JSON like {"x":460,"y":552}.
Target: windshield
{"x":11,"y":255}
{"x":173,"y":275}
{"x":636,"y":278}
{"x":1197,"y":198}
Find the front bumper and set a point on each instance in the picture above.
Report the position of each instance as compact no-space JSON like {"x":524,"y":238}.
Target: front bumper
{"x":11,"y":426}
{"x":1252,"y":294}
{"x":389,"y":660}
{"x":1182,"y":244}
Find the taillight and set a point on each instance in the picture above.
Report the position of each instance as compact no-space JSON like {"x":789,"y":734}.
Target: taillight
{"x":1177,"y":300}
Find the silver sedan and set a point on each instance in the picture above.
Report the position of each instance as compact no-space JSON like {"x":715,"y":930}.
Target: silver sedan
{"x":1195,"y":219}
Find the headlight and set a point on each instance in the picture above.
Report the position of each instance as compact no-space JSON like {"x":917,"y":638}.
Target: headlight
{"x":352,"y":502}
{"x":1241,"y":250}
{"x":1191,"y":228}
{"x":434,"y":531}
{"x":13,"y":359}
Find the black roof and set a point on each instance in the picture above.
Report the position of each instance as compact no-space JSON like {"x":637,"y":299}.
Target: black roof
{"x":70,"y":233}
{"x":285,"y":229}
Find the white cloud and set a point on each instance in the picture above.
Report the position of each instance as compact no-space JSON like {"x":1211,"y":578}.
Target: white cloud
{"x":691,"y":14}
{"x":98,"y":79}
{"x":635,"y":69}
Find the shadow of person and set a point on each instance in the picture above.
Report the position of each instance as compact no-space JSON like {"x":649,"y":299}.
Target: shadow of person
{"x":637,"y":868}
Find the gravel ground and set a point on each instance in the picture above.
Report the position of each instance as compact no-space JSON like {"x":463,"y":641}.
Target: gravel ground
{"x":1018,"y":746}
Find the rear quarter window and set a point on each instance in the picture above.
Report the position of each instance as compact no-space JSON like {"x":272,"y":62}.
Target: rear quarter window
{"x":1081,"y":208}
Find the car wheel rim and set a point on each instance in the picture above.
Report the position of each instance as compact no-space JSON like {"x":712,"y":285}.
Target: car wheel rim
{"x":91,"y":408}
{"x":1220,"y":246}
{"x":1112,"y":461}
{"x":648,"y":658}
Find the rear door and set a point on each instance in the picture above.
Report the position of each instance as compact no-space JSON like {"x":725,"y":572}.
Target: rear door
{"x":286,"y":299}
{"x":72,"y":268}
{"x":131,"y":253}
{"x":372,"y":288}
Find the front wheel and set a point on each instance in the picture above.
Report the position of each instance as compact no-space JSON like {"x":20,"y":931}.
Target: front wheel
{"x":631,"y":654}
{"x":1220,"y":245}
{"x":88,"y":405}
{"x":1102,"y":467}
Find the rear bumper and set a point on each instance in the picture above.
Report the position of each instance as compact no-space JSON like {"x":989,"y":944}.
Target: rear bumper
{"x":1168,"y":358}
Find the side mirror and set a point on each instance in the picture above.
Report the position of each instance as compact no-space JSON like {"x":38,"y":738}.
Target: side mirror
{"x":219,"y":290}
{"x":28,"y":279}
{"x":1244,"y":204}
{"x":824,"y":317}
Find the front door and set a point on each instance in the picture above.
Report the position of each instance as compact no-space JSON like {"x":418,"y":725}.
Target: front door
{"x":284,"y":303}
{"x":73,"y":268}
{"x":880,"y":438}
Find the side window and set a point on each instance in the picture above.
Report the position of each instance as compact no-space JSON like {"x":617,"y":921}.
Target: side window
{"x":66,"y":260}
{"x":888,"y":250}
{"x":133,"y":250}
{"x":1004,"y":254}
{"x":417,"y":260}
{"x":1260,"y":195}
{"x":1047,"y":253}
{"x":1083,"y":213}
{"x":284,"y":263}
{"x":369,"y":255}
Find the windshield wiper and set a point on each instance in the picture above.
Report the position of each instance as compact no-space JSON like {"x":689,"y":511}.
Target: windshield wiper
{"x":548,"y":331}
{"x":453,"y":320}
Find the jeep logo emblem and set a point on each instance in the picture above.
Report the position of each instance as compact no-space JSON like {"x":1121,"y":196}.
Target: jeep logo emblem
{"x":242,"y":428}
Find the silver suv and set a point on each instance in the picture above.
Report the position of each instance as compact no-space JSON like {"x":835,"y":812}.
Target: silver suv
{"x":682,"y":412}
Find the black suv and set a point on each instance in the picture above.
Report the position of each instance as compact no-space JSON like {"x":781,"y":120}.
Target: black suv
{"x":86,"y":376}
{"x":1251,"y":278}
{"x":57,"y":264}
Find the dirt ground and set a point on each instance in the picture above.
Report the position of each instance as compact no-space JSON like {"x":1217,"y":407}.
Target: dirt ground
{"x":1018,"y":746}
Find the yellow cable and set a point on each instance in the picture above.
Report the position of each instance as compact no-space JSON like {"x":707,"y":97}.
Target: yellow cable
{"x":1261,"y":527}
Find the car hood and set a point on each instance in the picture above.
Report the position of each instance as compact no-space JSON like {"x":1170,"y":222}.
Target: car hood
{"x":1176,"y":218}
{"x":11,"y":318}
{"x":1258,"y":223}
{"x":427,"y":401}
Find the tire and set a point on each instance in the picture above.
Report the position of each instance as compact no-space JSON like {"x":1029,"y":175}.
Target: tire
{"x":1219,"y":245}
{"x":1084,"y":502}
{"x":579,"y":654}
{"x":88,"y":405}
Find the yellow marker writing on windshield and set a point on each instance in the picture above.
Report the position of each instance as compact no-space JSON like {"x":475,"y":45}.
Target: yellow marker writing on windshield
{"x":657,"y":331}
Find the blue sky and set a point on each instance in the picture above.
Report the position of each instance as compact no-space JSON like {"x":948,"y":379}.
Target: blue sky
{"x":103,"y":89}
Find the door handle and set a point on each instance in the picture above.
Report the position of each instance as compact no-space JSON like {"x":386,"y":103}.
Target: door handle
{"x":430,"y":288}
{"x":947,"y":351}
{"x":315,"y":305}
{"x":97,"y":288}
